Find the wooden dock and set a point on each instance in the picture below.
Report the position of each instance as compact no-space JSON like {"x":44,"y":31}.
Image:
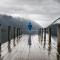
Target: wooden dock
{"x":22,"y":50}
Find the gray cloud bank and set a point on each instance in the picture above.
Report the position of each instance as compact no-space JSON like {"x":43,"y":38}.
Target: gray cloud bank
{"x":47,"y":8}
{"x":30,"y":6}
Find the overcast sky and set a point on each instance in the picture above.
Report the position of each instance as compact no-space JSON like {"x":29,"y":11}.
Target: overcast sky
{"x":41,"y":11}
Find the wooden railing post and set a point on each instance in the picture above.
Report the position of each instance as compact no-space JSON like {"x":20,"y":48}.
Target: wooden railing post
{"x":41,"y":34}
{"x":44,"y":36}
{"x":58,"y":38}
{"x":0,"y":40}
{"x":49,"y":42}
{"x":14,"y":36}
{"x":9,"y":30}
{"x":17,"y":35}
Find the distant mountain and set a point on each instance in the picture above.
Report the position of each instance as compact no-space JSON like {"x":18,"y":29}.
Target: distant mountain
{"x":18,"y":22}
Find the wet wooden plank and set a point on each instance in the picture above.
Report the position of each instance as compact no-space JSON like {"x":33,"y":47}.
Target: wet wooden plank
{"x":36,"y":51}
